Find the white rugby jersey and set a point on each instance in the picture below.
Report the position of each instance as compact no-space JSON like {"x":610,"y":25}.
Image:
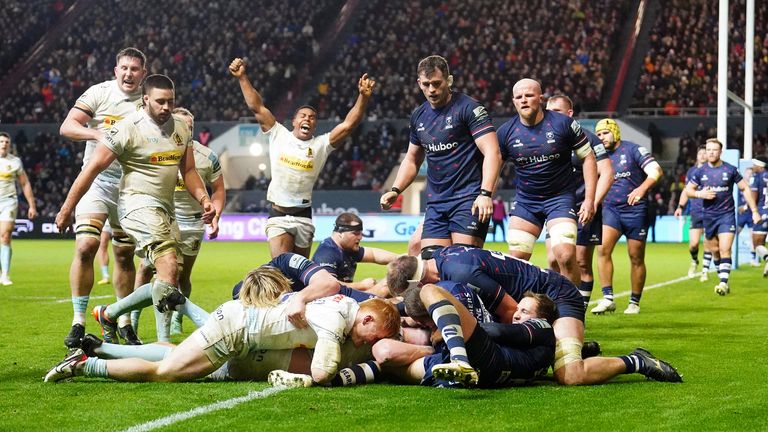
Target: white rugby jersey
{"x":10,"y":169}
{"x":150,"y":155}
{"x":295,"y":166}
{"x":108,"y":104}
{"x":209,"y":168}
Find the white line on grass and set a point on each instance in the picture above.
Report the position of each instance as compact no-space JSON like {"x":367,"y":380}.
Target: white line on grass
{"x":52,"y":299}
{"x":205,"y":409}
{"x":650,"y":287}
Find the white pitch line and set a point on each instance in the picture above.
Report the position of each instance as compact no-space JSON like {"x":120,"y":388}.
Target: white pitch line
{"x":205,"y":409}
{"x":52,"y":299}
{"x":650,"y":287}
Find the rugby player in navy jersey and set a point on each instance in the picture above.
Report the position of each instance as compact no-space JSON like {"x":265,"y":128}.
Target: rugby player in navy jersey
{"x":713,"y":183}
{"x":696,"y":227}
{"x":590,"y":233}
{"x":501,"y":281}
{"x":539,"y":144}
{"x":758,"y":184}
{"x":625,"y":212}
{"x":455,"y":134}
{"x":340,"y":253}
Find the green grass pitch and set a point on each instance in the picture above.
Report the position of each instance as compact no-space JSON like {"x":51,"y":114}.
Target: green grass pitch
{"x":717,"y":343}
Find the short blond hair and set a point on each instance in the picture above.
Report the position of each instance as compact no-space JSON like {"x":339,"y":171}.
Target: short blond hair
{"x":263,"y":286}
{"x":384,"y":312}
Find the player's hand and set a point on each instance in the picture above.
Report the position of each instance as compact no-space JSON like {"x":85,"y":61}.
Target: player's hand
{"x":214,"y":232}
{"x":483,"y":207}
{"x":295,"y":310}
{"x":209,"y":211}
{"x":743,"y":209}
{"x":635,"y":196}
{"x":707,"y":193}
{"x":367,"y":283}
{"x":678,"y":213}
{"x":756,"y":218}
{"x":237,"y":67}
{"x":387,"y":200}
{"x":31,"y":213}
{"x":365,"y":86}
{"x":64,"y":220}
{"x":586,"y":212}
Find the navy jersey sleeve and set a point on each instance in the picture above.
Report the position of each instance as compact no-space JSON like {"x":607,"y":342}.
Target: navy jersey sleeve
{"x":533,"y":332}
{"x":503,"y":135}
{"x":356,"y":295}
{"x":477,"y":119}
{"x":577,"y":135}
{"x":737,"y":177}
{"x":489,"y":291}
{"x":295,"y":267}
{"x":597,"y":146}
{"x":360,"y":254}
{"x":414,"y":137}
{"x":694,"y":177}
{"x":642,"y":156}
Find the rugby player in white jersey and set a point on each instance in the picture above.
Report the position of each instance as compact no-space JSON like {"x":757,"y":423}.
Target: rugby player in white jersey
{"x":11,"y":169}
{"x":94,"y":113}
{"x":296,"y":158}
{"x":257,"y":320}
{"x":189,"y":215}
{"x":152,"y":146}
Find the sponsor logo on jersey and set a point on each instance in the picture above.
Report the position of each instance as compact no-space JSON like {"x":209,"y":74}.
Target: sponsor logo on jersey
{"x":165,"y":158}
{"x":623,"y":159}
{"x":448,"y":122}
{"x":110,"y":121}
{"x":177,"y":139}
{"x":297,"y":163}
{"x":624,"y":174}
{"x":517,"y":143}
{"x":480,"y":112}
{"x":718,"y":188}
{"x":576,"y":127}
{"x":296,"y":261}
{"x":180,"y":185}
{"x":439,"y":147}
{"x":725,"y":176}
{"x":550,"y":135}
{"x":704,"y":178}
{"x":420,"y":128}
{"x":537,"y":159}
{"x":643,"y":151}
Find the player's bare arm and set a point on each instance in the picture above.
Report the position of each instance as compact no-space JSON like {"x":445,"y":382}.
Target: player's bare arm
{"x":252,"y":97}
{"x":99,"y":161}
{"x":408,"y":170}
{"x":195,"y":185}
{"x":365,"y":86}
{"x":589,"y":170}
{"x":750,"y":199}
{"x":218,"y":199}
{"x":26,"y":188}
{"x":605,"y":180}
{"x":489,"y":147}
{"x":74,"y":127}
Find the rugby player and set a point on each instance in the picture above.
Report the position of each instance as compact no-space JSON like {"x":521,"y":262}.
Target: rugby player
{"x":696,"y":227}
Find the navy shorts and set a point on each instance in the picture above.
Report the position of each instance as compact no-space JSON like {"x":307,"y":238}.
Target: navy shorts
{"x":719,"y":224}
{"x":745,"y":219}
{"x":442,"y":219}
{"x":697,"y":220}
{"x":497,"y":365}
{"x":592,"y":233}
{"x":632,"y":224}
{"x":538,"y":212}
{"x":762,"y":227}
{"x":566,"y":296}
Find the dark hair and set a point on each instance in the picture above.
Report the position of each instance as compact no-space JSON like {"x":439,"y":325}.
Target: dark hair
{"x":5,"y":134}
{"x":414,"y":307}
{"x":347,"y":220}
{"x":295,"y":113}
{"x":131,"y":52}
{"x":701,"y":147}
{"x":561,"y":97}
{"x":399,"y":272}
{"x":545,"y":307}
{"x":156,"y":81}
{"x":429,"y":64}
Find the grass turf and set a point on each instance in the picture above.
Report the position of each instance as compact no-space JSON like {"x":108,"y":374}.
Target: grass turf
{"x":717,"y":343}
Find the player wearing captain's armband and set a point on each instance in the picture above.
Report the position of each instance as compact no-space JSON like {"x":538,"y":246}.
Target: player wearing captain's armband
{"x":539,"y":143}
{"x":713,"y":183}
{"x":625,"y":212}
{"x":296,"y":159}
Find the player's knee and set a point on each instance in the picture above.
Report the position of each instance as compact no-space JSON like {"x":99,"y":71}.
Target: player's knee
{"x":568,"y":362}
{"x":168,"y":372}
{"x":520,"y":241}
{"x":85,"y":249}
{"x":5,"y":237}
{"x":637,"y":260}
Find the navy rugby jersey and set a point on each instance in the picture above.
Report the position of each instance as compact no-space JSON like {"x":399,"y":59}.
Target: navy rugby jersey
{"x":759,"y":184}
{"x":341,"y":264}
{"x":447,"y":135}
{"x":491,"y":273}
{"x":469,"y":298}
{"x":720,"y":179}
{"x":542,"y":153}
{"x":695,"y":205}
{"x":600,"y":154}
{"x":628,"y":162}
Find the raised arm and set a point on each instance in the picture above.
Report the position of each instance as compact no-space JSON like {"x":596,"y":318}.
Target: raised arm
{"x":355,"y":115}
{"x":252,"y":97}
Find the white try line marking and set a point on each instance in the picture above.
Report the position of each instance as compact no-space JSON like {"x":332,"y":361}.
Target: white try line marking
{"x":205,"y":409}
{"x":60,"y":300}
{"x":650,"y":287}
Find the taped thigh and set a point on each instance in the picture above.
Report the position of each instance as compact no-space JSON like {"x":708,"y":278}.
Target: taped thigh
{"x":88,"y":228}
{"x":563,"y":233}
{"x":567,"y":351}
{"x":519,"y":240}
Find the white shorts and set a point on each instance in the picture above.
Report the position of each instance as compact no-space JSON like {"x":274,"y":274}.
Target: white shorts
{"x":154,"y":230}
{"x":100,"y":199}
{"x":301,"y":228}
{"x":9,"y":207}
{"x":191,"y":235}
{"x":222,"y":337}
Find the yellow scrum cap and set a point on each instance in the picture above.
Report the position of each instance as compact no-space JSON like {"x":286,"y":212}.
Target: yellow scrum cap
{"x":611,"y":126}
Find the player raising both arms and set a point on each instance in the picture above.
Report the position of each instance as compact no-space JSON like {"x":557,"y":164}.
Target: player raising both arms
{"x":296,"y":158}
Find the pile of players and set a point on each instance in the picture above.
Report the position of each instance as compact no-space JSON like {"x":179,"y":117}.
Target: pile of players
{"x":496,"y":320}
